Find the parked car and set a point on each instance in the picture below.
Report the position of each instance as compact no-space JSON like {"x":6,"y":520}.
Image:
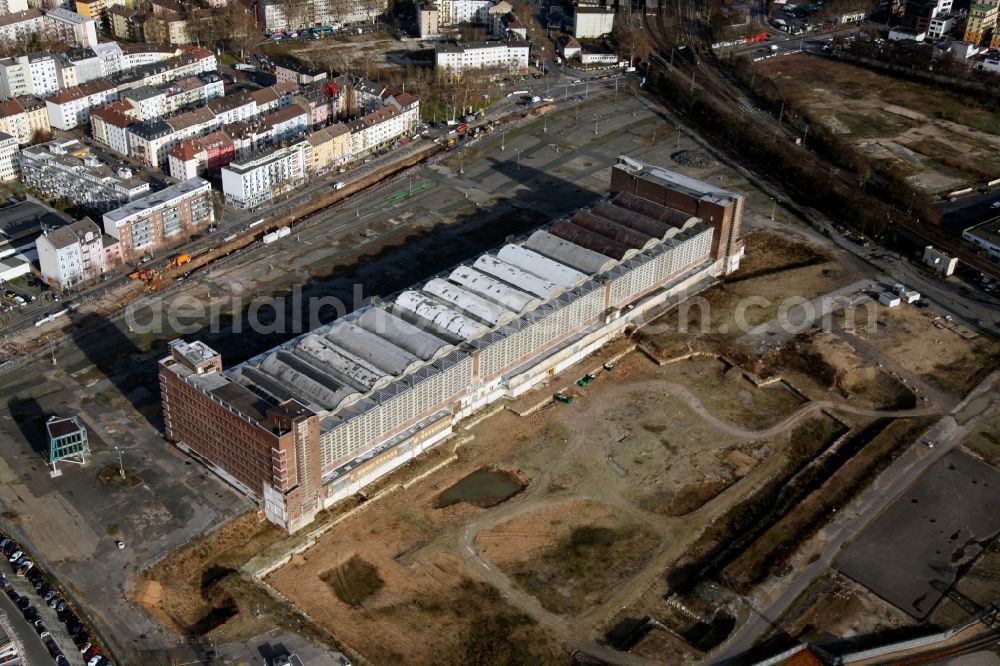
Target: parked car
{"x":81,"y":639}
{"x":30,"y":613}
{"x":22,"y":602}
{"x":15,"y":556}
{"x":53,"y":601}
{"x":61,"y":660}
{"x":40,"y":628}
{"x":85,"y":647}
{"x":49,"y":594}
{"x":91,"y":652}
{"x":61,"y":605}
{"x":95,"y":661}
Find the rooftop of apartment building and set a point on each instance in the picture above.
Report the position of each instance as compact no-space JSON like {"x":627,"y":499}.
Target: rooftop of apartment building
{"x":298,"y":67}
{"x":68,"y":16}
{"x":328,"y":133}
{"x":198,"y":116}
{"x":156,"y":199}
{"x":81,"y":91}
{"x":10,"y":107}
{"x":144,"y":71}
{"x":20,"y":17}
{"x":282,"y":116}
{"x":143,"y":93}
{"x":71,"y":234}
{"x":230,"y":102}
{"x":151,"y":129}
{"x":262,"y":158}
{"x":461,"y":47}
{"x":113,"y":114}
{"x":374,"y":118}
{"x":76,"y":157}
{"x":76,"y":55}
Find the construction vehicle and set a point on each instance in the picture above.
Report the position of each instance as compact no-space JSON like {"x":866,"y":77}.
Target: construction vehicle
{"x":563,"y":398}
{"x":179,"y":260}
{"x":586,"y":379}
{"x":146,"y":275}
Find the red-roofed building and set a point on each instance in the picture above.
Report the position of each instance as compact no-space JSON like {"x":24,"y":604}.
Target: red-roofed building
{"x":195,"y":157}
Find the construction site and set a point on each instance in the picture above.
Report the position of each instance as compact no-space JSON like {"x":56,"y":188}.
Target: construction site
{"x":707,"y":467}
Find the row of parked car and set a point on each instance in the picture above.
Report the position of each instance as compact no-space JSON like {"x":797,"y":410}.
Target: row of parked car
{"x":49,"y":595}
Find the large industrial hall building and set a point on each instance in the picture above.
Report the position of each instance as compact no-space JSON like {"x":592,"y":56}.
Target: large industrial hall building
{"x":316,"y":419}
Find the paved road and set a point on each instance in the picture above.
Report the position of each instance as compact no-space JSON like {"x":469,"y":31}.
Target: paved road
{"x":854,"y":518}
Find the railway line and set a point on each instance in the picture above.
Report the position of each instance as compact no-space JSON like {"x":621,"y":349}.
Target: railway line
{"x":682,"y":49}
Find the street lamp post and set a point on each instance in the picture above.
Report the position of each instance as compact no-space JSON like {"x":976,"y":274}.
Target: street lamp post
{"x":518,"y":158}
{"x":774,"y":207}
{"x":121,"y":465}
{"x":597,"y":118}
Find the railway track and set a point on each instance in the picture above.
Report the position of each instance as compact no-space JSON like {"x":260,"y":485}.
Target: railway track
{"x":682,"y":49}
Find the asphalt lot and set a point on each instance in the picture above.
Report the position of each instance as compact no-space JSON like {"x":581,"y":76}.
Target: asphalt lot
{"x":912,"y":553}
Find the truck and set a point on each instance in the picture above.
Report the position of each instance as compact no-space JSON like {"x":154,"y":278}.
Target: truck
{"x":463,"y":128}
{"x":244,"y":67}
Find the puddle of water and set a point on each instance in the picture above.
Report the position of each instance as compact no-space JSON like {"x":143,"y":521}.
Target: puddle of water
{"x":483,"y":488}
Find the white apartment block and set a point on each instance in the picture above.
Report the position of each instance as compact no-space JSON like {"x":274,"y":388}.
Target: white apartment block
{"x":8,"y":158}
{"x":36,"y":74}
{"x":318,"y":12}
{"x":13,"y":6}
{"x":258,"y":179}
{"x":69,"y":169}
{"x":20,"y":26}
{"x":71,"y":28}
{"x":147,"y":102}
{"x":459,"y":58}
{"x":941,"y":26}
{"x":75,"y":253}
{"x":452,"y":12}
{"x":376,"y":130}
{"x":71,"y":107}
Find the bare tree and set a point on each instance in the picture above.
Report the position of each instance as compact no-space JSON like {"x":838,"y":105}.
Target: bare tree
{"x":631,"y":42}
{"x":242,"y":31}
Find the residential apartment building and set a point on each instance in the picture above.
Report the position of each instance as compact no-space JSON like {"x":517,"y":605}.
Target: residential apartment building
{"x":275,"y":15}
{"x":158,"y":72}
{"x":76,"y":253}
{"x":71,"y":28}
{"x":427,"y":20}
{"x":35,"y":74}
{"x":195,"y":157}
{"x":147,"y":101}
{"x":18,"y":27}
{"x":250,"y":182}
{"x":91,"y":9}
{"x":23,"y":117}
{"x":13,"y":6}
{"x":981,"y":23}
{"x":8,"y":158}
{"x":69,"y":169}
{"x":941,"y":26}
{"x":128,"y":24}
{"x":274,"y":97}
{"x":920,"y":13}
{"x":301,"y":75}
{"x":457,"y":58}
{"x":71,"y":107}
{"x":328,"y":148}
{"x":170,"y":28}
{"x":110,"y":125}
{"x":375,"y":130}
{"x":453,"y":12}
{"x":161,"y":219}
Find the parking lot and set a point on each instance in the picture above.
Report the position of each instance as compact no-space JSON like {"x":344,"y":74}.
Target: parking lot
{"x":48,"y":627}
{"x":911,"y":555}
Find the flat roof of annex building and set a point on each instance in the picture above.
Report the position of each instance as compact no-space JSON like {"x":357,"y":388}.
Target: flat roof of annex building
{"x":677,"y":181}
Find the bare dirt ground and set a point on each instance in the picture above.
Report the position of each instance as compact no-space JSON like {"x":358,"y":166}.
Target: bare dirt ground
{"x":368,"y":53}
{"x":941,"y":140}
